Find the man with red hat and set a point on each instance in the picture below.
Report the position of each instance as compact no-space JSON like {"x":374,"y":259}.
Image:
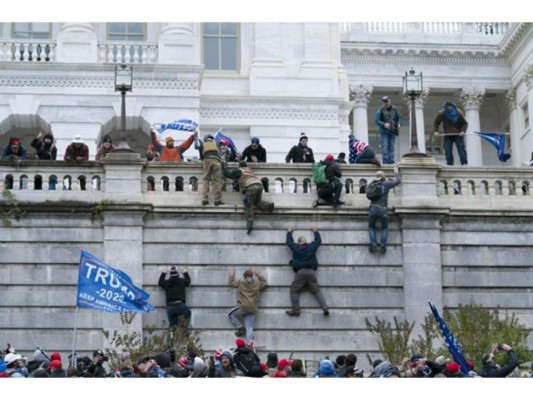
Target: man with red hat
{"x":330,"y":191}
{"x":284,"y":368}
{"x":14,"y":150}
{"x":245,"y":357}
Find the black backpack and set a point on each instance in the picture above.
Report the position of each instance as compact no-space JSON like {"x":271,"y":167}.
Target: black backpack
{"x":374,"y":190}
{"x":245,"y":361}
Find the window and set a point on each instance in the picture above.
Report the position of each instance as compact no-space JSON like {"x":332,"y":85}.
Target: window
{"x":220,"y":45}
{"x":131,"y":31}
{"x":31,"y":30}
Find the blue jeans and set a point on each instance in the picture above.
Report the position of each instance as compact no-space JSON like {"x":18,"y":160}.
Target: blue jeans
{"x":174,"y":312}
{"x":237,"y":316}
{"x":388,"y":141}
{"x":460,"y":144}
{"x":375,"y":213}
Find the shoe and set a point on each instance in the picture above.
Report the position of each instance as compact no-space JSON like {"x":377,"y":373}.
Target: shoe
{"x":315,"y":204}
{"x":219,"y":203}
{"x":205,"y":202}
{"x":373,"y":248}
{"x":293,"y":313}
{"x":271,"y":207}
{"x":249,"y":227}
{"x":339,"y":203}
{"x":326,"y":312}
{"x":382,"y":249}
{"x":240,"y":332}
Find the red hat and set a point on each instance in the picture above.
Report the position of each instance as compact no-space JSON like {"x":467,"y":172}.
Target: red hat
{"x":55,"y":364}
{"x":284,"y":363}
{"x":14,"y":141}
{"x":240,"y":343}
{"x":452,"y":368}
{"x":471,"y":365}
{"x":55,"y":356}
{"x":169,"y":139}
{"x":218,"y":352}
{"x":329,"y":157}
{"x":264,"y":367}
{"x":183,"y":361}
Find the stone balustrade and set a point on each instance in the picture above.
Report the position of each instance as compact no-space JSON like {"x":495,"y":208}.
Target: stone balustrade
{"x":35,"y":50}
{"x":127,"y":52}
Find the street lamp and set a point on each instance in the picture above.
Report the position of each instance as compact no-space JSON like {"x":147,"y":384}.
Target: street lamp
{"x":123,"y":84}
{"x":412,"y":87}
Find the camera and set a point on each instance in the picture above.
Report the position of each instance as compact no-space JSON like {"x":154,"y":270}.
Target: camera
{"x":105,"y":358}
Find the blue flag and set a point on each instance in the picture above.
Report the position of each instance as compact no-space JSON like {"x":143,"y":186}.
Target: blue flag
{"x":185,"y":125}
{"x":104,"y":288}
{"x":219,"y":136}
{"x":497,"y":139}
{"x":453,"y":345}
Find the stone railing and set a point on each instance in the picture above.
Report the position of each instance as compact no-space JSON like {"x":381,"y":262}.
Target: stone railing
{"x":127,"y":52}
{"x":36,"y":50}
{"x":447,"y":28}
{"x":287,"y":185}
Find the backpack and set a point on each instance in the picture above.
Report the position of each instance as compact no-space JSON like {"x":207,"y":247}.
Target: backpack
{"x":319,"y":173}
{"x":374,"y":190}
{"x":245,"y":361}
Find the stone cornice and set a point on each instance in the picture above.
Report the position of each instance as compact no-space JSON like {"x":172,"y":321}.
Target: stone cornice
{"x":267,"y":113}
{"x":513,"y":37}
{"x":420,"y":58}
{"x":95,"y":82}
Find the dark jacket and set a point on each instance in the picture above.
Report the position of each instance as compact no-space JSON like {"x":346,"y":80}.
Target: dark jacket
{"x":7,"y":153}
{"x":174,"y":287}
{"x":304,"y":256}
{"x":300,"y":154}
{"x":449,"y":126}
{"x":45,"y":151}
{"x":260,"y":153}
{"x":492,"y":371}
{"x":333,"y":172}
{"x":387,"y":185}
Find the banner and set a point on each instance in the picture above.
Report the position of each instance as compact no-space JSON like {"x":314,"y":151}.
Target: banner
{"x":185,"y":125}
{"x":497,"y":139}
{"x":453,"y":345}
{"x":101,"y":287}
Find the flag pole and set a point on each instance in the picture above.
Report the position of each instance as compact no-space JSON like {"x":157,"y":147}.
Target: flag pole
{"x":72,"y":360}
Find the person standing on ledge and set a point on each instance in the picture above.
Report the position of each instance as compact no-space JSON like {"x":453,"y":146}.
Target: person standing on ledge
{"x":455,"y":126}
{"x":389,"y":121}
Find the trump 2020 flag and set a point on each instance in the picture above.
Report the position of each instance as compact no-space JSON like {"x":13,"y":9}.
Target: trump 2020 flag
{"x":185,"y":125}
{"x":102,"y":287}
{"x":497,"y":139}
{"x":453,"y":345}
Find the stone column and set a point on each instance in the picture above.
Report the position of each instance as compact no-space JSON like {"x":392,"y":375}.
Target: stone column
{"x":360,"y":95}
{"x":514,"y":129}
{"x":472,"y":100}
{"x":77,"y":43}
{"x":420,"y":216}
{"x":528,"y":140}
{"x":179,"y":43}
{"x":344,"y":132}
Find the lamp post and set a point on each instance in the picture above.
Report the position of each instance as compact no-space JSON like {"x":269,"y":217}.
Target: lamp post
{"x":123,"y":84}
{"x":412,"y":87}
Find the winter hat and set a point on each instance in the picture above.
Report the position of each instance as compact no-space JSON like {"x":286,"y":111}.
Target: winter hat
{"x":287,"y":363}
{"x":376,"y":363}
{"x":208,"y":137}
{"x":255,"y":140}
{"x":218,"y":352}
{"x":56,"y":356}
{"x":183,"y":361}
{"x":340,"y":360}
{"x":169,"y":139}
{"x":198,"y":362}
{"x":302,"y":239}
{"x":448,"y":103}
{"x":96,"y":353}
{"x":272,"y":360}
{"x":107,"y":138}
{"x":452,"y":368}
{"x":174,"y":273}
{"x":248,"y":273}
{"x":55,"y":364}
{"x":385,"y":98}
{"x":49,"y":136}
{"x":351,"y":359}
{"x":240,"y":343}
{"x":264,"y":367}
{"x":329,"y":157}
{"x":227,"y":354}
{"x":441,"y":361}
{"x":487,"y":358}
{"x":303,"y":136}
{"x":14,"y":141}
{"x":326,"y":368}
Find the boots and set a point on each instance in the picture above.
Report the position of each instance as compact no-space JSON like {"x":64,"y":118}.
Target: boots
{"x":240,"y":332}
{"x":249,"y":227}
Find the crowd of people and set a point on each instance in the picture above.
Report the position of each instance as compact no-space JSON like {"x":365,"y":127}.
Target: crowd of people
{"x":241,"y":361}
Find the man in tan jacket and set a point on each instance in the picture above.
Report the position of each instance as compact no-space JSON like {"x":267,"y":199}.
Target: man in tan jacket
{"x":245,"y":311}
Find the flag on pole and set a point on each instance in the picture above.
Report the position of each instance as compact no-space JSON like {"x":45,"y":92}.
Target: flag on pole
{"x":184,"y":125}
{"x":219,"y":136}
{"x":497,"y":139}
{"x":453,"y":345}
{"x":102,"y":287}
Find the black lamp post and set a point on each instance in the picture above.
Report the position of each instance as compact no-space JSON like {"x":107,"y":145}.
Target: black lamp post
{"x":412,"y":87}
{"x":123,"y":84}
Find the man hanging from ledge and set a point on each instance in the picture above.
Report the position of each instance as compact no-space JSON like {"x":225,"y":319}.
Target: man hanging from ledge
{"x":252,"y":188}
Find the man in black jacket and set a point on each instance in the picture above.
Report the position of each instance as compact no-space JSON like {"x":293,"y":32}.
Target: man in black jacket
{"x":174,"y":287}
{"x":492,"y":370}
{"x":255,"y":152}
{"x":301,"y":153}
{"x":330,"y":192}
{"x":304,"y":263}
